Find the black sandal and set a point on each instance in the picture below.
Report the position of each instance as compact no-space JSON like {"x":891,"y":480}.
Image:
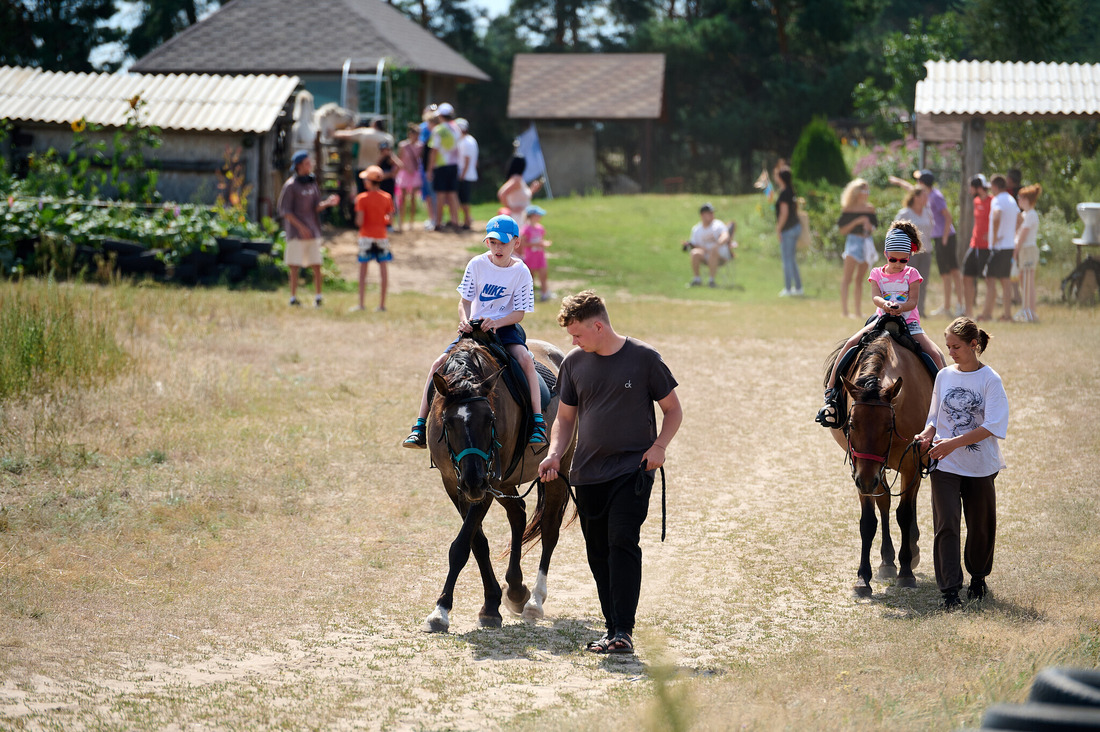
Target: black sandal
{"x":829,"y":414}
{"x":621,"y":643}
{"x":598,"y":646}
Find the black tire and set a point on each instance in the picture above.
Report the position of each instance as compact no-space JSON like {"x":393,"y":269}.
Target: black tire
{"x":1073,"y":686}
{"x":199,"y":258}
{"x":228,"y":246}
{"x":244,"y":259}
{"x":123,"y":248}
{"x":1041,"y":718}
{"x":260,"y":247}
{"x":186,"y":274}
{"x":144,"y":263}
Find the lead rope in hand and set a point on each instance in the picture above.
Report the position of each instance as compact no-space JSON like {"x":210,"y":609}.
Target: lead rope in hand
{"x":641,"y":474}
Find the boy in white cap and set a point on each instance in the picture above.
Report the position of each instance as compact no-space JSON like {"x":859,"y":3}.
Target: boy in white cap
{"x":496,"y":289}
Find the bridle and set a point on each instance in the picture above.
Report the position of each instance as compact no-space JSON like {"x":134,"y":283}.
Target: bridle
{"x":884,"y":460}
{"x":491,"y":458}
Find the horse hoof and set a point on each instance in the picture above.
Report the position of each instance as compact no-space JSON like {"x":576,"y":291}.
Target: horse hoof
{"x":516,"y":605}
{"x":886,"y":572}
{"x":861,"y":589}
{"x":490,"y":621}
{"x":907,"y":583}
{"x":437,"y":622}
{"x":533,"y":612}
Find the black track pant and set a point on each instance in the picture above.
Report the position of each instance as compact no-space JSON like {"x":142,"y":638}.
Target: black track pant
{"x":977,"y":498}
{"x":611,"y":516}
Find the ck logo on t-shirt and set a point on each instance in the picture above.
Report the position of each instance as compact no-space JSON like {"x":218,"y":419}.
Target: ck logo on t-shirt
{"x":627,"y":384}
{"x":492,"y":292}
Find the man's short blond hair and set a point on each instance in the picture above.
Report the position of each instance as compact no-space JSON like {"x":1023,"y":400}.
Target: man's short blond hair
{"x":581,"y":307}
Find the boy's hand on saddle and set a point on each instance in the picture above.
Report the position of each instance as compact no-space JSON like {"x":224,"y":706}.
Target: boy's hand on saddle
{"x":465,"y":327}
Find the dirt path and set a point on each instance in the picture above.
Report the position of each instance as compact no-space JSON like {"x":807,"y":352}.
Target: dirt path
{"x":424,"y":261}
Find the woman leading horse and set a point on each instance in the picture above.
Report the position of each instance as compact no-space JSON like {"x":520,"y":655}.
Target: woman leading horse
{"x":478,"y":440}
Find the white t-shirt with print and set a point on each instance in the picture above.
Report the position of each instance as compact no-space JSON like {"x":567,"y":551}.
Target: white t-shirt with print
{"x":444,"y":141}
{"x":497,"y":291}
{"x":961,"y":402}
{"x":1005,"y":236}
{"x":707,"y":236}
{"x":467,"y":158}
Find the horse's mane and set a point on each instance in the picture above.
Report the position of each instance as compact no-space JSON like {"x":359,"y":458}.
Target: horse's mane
{"x":871,"y":364}
{"x":468,"y":365}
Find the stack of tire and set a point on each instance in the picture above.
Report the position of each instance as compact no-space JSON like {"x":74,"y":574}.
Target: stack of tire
{"x":232,"y":260}
{"x":130,"y":258}
{"x":1060,"y":699}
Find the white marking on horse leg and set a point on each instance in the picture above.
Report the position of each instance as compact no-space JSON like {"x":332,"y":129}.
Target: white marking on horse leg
{"x":438,"y":622}
{"x":533,"y":609}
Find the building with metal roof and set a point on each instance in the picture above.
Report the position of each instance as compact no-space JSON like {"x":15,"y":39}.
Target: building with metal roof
{"x":956,"y":99}
{"x":571,"y":95}
{"x":313,"y":40}
{"x":202,"y":118}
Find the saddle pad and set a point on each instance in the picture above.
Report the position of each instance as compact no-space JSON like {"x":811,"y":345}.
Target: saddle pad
{"x":549,"y":378}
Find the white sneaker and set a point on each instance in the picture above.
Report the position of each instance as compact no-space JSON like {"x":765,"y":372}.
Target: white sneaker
{"x":797,"y":292}
{"x":784,"y":292}
{"x":695,"y":282}
{"x":317,"y":299}
{"x":938,"y":311}
{"x":960,"y":310}
{"x":356,"y":309}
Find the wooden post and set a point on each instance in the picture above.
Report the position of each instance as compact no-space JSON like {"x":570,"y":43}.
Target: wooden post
{"x":973,"y":155}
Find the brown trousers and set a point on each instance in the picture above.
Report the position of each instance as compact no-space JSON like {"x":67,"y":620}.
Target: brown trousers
{"x":978,"y":499}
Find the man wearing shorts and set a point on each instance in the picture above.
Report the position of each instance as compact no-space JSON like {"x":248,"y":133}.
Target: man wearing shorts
{"x":945,"y":245}
{"x":977,"y":256}
{"x":467,"y":169}
{"x":299,"y":206}
{"x":608,"y":386}
{"x":443,"y":164}
{"x":1002,"y":240}
{"x":710,"y":244}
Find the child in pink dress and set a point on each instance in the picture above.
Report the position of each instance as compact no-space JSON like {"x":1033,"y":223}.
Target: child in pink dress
{"x":895,"y":289}
{"x":533,"y":237}
{"x":408,"y":177}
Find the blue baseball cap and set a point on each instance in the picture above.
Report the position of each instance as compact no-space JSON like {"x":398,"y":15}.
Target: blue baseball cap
{"x":502,"y":228}
{"x":534,"y":210}
{"x":298,"y":157}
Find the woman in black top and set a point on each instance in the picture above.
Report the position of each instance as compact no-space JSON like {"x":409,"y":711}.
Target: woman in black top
{"x":788,"y":227}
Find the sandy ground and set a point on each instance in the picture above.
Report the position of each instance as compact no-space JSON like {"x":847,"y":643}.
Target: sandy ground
{"x":423,"y":261}
{"x":304,"y":610}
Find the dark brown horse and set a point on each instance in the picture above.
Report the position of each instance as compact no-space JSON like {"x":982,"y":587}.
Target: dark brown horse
{"x":471,"y":432}
{"x":887,"y":392}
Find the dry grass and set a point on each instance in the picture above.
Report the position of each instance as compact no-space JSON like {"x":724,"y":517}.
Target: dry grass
{"x":228,"y":535}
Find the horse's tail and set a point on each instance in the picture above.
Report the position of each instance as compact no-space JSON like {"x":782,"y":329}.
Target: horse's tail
{"x":831,"y":360}
{"x":533,"y":532}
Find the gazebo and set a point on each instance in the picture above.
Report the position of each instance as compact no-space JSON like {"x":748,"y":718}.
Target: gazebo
{"x":957,"y":98}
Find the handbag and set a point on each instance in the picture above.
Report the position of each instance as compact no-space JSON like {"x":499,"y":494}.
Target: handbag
{"x":804,"y":236}
{"x":870,"y":251}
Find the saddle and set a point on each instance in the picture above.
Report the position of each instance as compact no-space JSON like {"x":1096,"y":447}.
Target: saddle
{"x":896,"y":328}
{"x":516,"y":382}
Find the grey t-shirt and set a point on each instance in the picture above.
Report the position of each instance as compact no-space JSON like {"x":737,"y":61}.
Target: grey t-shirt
{"x":300,"y":197}
{"x":614,"y":396}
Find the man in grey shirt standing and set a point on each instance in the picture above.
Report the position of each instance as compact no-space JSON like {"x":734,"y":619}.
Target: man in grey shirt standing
{"x":608,"y":386}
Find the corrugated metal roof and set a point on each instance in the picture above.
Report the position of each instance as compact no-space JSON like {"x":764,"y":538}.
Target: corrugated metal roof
{"x":174,"y":101}
{"x":1000,"y":88}
{"x":587,"y":86}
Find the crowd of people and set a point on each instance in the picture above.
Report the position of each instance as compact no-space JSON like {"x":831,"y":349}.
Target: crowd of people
{"x":436,"y":163}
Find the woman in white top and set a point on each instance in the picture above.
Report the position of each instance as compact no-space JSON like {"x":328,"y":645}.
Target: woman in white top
{"x":917,"y":211}
{"x":515,"y":195}
{"x":1027,"y":249}
{"x":967,"y":418}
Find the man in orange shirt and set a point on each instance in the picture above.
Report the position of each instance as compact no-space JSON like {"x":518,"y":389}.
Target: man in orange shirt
{"x":372,"y":214}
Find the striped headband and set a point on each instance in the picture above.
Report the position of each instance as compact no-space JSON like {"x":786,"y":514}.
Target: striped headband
{"x":898,"y":241}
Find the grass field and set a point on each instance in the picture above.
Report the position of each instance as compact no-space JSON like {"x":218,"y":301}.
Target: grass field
{"x":226,"y":534}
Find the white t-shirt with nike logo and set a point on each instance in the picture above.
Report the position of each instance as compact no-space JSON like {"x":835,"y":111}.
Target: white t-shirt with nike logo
{"x":497,"y":291}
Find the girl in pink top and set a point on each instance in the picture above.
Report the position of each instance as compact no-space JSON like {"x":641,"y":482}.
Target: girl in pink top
{"x":408,"y":178}
{"x":895,"y":289}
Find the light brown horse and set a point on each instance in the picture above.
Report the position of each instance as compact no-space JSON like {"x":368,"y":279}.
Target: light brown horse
{"x":471,"y":433}
{"x":887,"y":392}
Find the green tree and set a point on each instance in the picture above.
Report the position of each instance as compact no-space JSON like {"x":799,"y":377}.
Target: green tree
{"x":817,"y":155}
{"x":162,"y":19}
{"x":1032,"y":30}
{"x":57,"y":35}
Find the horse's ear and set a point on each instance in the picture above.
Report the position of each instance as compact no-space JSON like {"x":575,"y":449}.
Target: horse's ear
{"x":892,"y":392}
{"x":440,"y":384}
{"x":848,"y":386}
{"x":491,"y":382}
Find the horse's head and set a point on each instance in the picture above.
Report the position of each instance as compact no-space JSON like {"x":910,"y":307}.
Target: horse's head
{"x":469,"y":431}
{"x":871,"y":428}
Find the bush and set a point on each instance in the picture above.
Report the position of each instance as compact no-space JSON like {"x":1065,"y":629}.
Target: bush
{"x":817,"y":156}
{"x":51,"y":338}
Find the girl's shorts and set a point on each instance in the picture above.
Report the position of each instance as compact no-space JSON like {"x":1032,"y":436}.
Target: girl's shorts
{"x":508,"y":335}
{"x":1029,"y":257}
{"x":534,"y":258}
{"x":856,"y":247}
{"x":914,"y":326}
{"x":408,"y":179}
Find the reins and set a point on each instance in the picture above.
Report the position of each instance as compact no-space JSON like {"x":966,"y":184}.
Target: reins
{"x":923,"y":469}
{"x":638,"y":483}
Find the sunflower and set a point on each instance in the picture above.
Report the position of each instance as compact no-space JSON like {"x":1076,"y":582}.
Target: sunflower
{"x":134,"y":101}
{"x":79,"y":125}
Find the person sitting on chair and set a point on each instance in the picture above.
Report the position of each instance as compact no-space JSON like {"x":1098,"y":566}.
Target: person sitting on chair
{"x":710,"y":243}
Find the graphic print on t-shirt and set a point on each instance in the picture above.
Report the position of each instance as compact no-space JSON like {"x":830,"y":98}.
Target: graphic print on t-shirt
{"x":966,"y":410}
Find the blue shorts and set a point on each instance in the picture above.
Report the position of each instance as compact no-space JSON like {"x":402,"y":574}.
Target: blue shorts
{"x":856,"y":247}
{"x":374,"y":250}
{"x":508,"y":335}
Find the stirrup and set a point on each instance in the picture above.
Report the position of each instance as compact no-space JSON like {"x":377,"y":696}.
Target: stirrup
{"x":416,"y":439}
{"x":829,"y":414}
